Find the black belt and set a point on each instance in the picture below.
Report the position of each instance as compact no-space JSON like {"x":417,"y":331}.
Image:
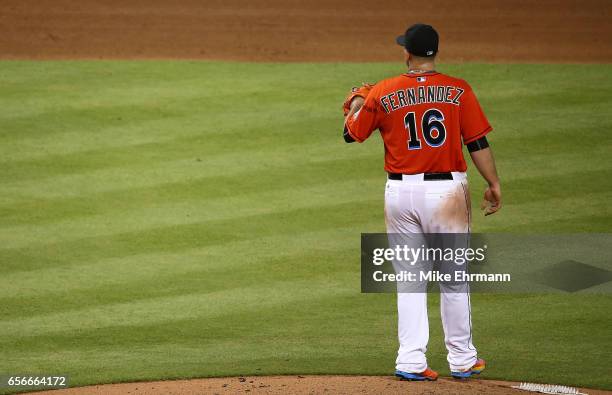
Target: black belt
{"x":426,"y":176}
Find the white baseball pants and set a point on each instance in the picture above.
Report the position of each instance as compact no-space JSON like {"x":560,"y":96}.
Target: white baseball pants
{"x":414,"y":206}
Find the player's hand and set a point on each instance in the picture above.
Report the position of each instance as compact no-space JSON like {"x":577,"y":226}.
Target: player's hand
{"x":356,"y":105}
{"x":361,"y":92}
{"x":492,"y":199}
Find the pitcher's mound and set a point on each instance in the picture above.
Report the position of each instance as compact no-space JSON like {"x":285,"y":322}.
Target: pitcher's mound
{"x":303,"y":385}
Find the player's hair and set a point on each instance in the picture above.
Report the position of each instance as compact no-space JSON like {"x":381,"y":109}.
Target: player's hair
{"x":423,"y":58}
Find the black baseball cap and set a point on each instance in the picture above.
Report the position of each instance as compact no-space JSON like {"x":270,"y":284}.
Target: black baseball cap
{"x":420,"y":40}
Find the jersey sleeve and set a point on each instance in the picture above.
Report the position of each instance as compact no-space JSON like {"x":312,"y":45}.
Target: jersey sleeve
{"x":361,"y":124}
{"x":474,"y":123}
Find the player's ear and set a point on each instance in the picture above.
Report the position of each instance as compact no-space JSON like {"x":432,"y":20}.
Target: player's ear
{"x":406,"y":56}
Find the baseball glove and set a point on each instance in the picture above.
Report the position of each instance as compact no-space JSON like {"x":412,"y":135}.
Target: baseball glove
{"x":361,"y":91}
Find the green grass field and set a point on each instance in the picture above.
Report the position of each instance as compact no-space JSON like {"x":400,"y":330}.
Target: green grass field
{"x":193,"y":219}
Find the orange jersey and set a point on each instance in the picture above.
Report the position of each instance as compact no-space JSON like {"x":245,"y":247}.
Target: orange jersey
{"x":423,"y":120}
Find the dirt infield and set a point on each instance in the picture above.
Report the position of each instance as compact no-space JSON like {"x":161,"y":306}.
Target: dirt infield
{"x":304,"y":385}
{"x":314,"y":30}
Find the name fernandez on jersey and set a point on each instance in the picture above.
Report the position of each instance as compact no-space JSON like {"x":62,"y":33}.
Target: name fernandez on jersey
{"x":421,"y":95}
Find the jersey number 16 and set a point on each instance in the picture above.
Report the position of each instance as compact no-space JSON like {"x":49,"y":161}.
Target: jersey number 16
{"x":432,"y":127}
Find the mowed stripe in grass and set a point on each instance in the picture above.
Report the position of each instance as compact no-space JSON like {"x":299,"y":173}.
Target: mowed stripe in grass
{"x":188,"y":219}
{"x":191,"y":213}
{"x":203,"y":263}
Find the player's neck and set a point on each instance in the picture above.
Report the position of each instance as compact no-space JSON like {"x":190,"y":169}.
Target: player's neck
{"x":421,"y":67}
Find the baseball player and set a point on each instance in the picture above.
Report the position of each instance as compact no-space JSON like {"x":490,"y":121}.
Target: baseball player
{"x":424,"y":118}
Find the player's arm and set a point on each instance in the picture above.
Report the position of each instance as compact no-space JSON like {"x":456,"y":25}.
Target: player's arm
{"x":483,"y":159}
{"x":474,"y":128}
{"x":355,"y":106}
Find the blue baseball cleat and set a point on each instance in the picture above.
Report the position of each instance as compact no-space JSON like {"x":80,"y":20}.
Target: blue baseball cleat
{"x":477,"y":368}
{"x":427,"y":375}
